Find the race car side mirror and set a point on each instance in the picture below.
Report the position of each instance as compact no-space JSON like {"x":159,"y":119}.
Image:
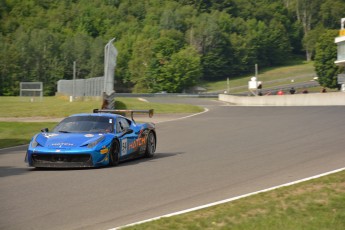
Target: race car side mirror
{"x":45,"y":130}
{"x":128,"y":131}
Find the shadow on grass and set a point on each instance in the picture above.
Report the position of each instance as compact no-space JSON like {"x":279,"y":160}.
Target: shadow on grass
{"x":120,"y":105}
{"x":5,"y":143}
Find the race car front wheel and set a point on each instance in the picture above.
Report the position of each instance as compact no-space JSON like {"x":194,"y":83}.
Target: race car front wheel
{"x":151,"y":145}
{"x":114,"y":153}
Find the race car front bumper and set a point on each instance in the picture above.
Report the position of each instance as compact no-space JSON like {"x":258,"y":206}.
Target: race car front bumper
{"x":60,"y":160}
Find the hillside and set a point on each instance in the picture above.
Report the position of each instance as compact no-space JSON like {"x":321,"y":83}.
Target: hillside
{"x":164,"y":45}
{"x":277,"y":77}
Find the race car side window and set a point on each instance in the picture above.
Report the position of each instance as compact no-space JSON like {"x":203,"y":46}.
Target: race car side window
{"x":121,"y":125}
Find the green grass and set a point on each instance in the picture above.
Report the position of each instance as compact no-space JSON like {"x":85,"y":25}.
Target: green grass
{"x":61,"y":107}
{"x":48,"y":107}
{"x":134,"y":103}
{"x":315,"y":204}
{"x":301,"y":72}
{"x":20,"y":133}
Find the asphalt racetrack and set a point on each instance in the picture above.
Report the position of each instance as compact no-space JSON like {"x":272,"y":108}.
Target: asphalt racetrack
{"x":225,"y":152}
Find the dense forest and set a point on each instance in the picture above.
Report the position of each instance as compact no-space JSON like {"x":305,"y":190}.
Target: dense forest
{"x":164,"y":45}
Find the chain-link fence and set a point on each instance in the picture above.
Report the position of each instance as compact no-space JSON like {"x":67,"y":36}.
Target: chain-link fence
{"x":81,"y":87}
{"x":93,"y":86}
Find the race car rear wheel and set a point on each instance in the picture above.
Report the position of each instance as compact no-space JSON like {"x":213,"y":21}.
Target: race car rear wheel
{"x":151,"y":145}
{"x":114,"y":153}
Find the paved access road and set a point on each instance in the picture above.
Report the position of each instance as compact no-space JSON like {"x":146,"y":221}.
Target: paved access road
{"x":226,"y":152}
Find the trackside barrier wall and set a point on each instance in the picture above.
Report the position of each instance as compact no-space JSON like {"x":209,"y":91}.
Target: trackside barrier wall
{"x":312,"y":99}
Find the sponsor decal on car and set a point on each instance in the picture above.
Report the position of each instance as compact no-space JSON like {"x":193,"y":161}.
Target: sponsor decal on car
{"x":137,"y":143}
{"x":63,"y":144}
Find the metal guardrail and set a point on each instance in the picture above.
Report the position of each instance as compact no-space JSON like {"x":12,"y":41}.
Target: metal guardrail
{"x":203,"y":95}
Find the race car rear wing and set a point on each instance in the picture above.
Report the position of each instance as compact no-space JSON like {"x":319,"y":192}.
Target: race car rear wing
{"x":124,"y":111}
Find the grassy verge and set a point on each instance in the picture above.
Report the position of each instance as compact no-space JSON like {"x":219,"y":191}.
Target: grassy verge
{"x":48,"y":107}
{"x":61,"y":107}
{"x":315,"y":204}
{"x":20,"y":133}
{"x":302,"y":72}
{"x":134,"y":103}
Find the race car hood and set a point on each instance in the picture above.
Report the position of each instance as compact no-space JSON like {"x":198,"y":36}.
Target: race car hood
{"x":66,"y":140}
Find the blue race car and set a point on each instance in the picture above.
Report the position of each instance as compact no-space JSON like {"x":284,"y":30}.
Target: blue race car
{"x":101,"y":138}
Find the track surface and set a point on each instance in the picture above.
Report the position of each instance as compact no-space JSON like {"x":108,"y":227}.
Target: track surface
{"x":226,"y":152}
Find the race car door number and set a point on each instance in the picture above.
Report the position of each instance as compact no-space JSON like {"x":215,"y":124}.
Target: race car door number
{"x":124,"y":147}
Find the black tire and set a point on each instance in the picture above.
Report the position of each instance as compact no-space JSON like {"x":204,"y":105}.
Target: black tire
{"x":114,"y":153}
{"x":150,"y":145}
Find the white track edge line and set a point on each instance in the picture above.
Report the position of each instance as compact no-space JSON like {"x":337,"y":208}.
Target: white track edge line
{"x":180,"y":118}
{"x":230,"y":199}
{"x":13,"y":147}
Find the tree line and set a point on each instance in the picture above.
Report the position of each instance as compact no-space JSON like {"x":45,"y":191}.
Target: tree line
{"x":164,"y":45}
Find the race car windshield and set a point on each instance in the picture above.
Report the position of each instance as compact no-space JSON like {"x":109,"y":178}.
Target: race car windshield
{"x":85,"y":124}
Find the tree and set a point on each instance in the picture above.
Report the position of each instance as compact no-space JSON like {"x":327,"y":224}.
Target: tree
{"x":311,"y":38}
{"x":307,"y":13}
{"x":331,"y":11}
{"x":40,"y":39}
{"x":278,"y":45}
{"x":209,"y":36}
{"x":139,"y":65}
{"x":326,"y":54}
{"x":182,"y":71}
{"x":7,"y":66}
{"x":77,"y":48}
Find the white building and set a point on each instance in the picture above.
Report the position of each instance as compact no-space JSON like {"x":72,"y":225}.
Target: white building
{"x":340,"y":41}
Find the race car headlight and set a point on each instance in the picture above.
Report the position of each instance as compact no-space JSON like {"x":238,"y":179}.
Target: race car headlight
{"x":34,"y":143}
{"x":94,"y":143}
